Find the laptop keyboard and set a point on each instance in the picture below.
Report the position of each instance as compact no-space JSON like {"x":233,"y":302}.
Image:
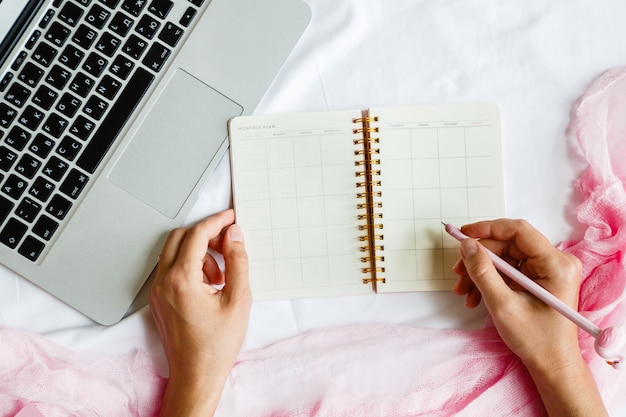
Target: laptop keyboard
{"x":68,"y":93}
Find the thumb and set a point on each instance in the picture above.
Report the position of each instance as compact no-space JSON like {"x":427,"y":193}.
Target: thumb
{"x":481,"y":271}
{"x":235,"y":261}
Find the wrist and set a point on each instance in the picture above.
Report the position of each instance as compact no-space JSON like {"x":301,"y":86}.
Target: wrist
{"x":192,"y":395}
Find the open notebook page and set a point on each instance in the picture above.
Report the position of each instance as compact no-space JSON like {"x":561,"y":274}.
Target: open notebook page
{"x":295,"y":197}
{"x":438,"y":163}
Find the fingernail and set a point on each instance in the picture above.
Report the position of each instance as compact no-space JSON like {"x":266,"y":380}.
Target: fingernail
{"x":235,"y":234}
{"x":468,"y":248}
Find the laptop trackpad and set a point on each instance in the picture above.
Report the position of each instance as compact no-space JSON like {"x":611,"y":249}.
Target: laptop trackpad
{"x":175,"y":144}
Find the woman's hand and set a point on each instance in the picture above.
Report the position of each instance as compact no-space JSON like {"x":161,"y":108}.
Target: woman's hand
{"x":201,"y":328}
{"x":545,"y":341}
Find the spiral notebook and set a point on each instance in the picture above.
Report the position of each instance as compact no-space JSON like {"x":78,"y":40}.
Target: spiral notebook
{"x":350,"y":202}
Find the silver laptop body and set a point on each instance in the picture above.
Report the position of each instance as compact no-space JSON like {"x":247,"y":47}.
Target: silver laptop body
{"x":112,"y":115}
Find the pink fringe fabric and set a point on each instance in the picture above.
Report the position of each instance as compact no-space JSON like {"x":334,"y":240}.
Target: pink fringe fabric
{"x":374,"y":370}
{"x":59,"y":382}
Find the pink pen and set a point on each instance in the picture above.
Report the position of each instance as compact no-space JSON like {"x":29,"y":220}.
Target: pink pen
{"x":610,"y":342}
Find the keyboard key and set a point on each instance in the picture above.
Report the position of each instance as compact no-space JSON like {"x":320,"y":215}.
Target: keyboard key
{"x":28,"y":210}
{"x":108,"y":44}
{"x":196,"y":3}
{"x":108,"y":87}
{"x":6,"y":206}
{"x":82,"y":127}
{"x":121,"y":24}
{"x":31,"y":74}
{"x":121,"y":67}
{"x":94,"y":64}
{"x":45,"y":20}
{"x":74,"y":183}
{"x":134,"y":46}
{"x":188,"y":16}
{"x":41,"y":189}
{"x":82,"y":84}
{"x":84,"y":36}
{"x":70,"y":13}
{"x":156,"y":57}
{"x":95,"y":107}
{"x":57,"y":34}
{"x":28,"y":166}
{"x":160,"y":8}
{"x":44,"y":54}
{"x":69,"y":148}
{"x":54,"y":125}
{"x":55,"y":168}
{"x":58,"y":77}
{"x":12,"y":233}
{"x":97,"y":16}
{"x":112,"y":124}
{"x":14,"y":186}
{"x":31,"y":117}
{"x":31,"y":248}
{"x":7,"y":114}
{"x":45,"y":227}
{"x":71,"y":56}
{"x":17,"y":94}
{"x":68,"y":105}
{"x":147,"y":26}
{"x":4,"y":82}
{"x":34,"y":37}
{"x":17,"y":138}
{"x":59,"y":207}
{"x":41,"y":145}
{"x":134,"y":7}
{"x":45,"y":97}
{"x":171,"y":34}
{"x":17,"y":63}
{"x":7,"y":159}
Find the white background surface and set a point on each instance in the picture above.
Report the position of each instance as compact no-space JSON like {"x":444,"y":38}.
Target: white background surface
{"x":532,"y":58}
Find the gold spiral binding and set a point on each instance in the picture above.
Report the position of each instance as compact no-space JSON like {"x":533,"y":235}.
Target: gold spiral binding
{"x":373,"y":237}
{"x":368,"y":269}
{"x":376,"y":248}
{"x":368,"y":139}
{"x":373,"y":204}
{"x":367,"y":151}
{"x":366,"y":130}
{"x":365,"y":216}
{"x":370,"y":280}
{"x":364,"y":120}
{"x":364,"y":184}
{"x":372,"y":162}
{"x":366,"y":142}
{"x":367,"y":194}
{"x":365,"y":227}
{"x":364,"y":173}
{"x":378,"y":258}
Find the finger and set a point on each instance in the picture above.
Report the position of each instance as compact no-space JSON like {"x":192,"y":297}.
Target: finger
{"x":235,"y":262}
{"x":483,"y":274}
{"x":463,"y":285}
{"x":196,"y":242}
{"x":212,"y":272}
{"x":473,"y":297}
{"x":172,"y":245}
{"x":515,"y":235}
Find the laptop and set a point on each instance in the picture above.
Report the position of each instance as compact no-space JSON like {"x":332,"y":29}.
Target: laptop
{"x":112,"y":115}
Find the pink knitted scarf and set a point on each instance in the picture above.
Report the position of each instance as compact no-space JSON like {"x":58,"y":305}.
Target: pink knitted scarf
{"x":374,"y":370}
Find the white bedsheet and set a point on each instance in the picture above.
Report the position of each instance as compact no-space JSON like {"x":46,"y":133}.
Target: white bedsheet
{"x":532,"y":58}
